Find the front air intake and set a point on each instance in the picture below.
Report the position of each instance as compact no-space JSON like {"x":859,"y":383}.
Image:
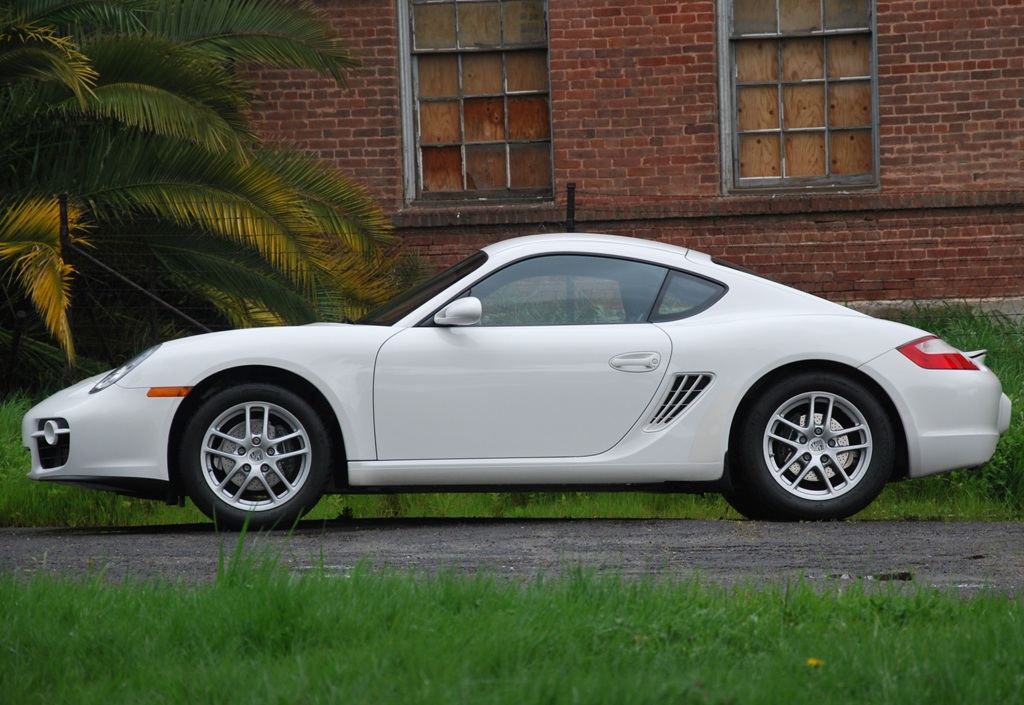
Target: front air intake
{"x":53,"y":442}
{"x":685,"y":390}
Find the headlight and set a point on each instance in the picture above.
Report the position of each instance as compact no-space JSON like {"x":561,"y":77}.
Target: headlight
{"x":115,"y":375}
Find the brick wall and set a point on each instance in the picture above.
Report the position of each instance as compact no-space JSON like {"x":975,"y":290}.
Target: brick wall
{"x":634,"y":97}
{"x":635,"y":127}
{"x":951,"y":94}
{"x":356,"y":128}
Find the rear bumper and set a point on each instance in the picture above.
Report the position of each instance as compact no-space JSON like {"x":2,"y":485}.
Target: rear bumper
{"x":952,"y":419}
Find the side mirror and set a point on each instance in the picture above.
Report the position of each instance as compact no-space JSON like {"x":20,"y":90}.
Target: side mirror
{"x":461,"y":312}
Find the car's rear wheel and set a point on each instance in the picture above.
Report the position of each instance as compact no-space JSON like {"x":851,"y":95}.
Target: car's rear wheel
{"x":816,"y":445}
{"x":255,"y":453}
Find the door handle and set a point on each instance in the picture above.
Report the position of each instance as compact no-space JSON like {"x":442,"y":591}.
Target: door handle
{"x":636,"y":361}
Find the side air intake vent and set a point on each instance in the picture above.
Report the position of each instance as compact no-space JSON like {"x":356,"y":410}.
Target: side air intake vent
{"x":685,"y":390}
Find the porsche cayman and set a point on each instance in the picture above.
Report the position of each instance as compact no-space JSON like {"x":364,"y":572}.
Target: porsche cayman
{"x":550,"y":362}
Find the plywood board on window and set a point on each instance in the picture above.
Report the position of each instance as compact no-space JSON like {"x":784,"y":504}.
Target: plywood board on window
{"x":523,"y":22}
{"x":434,"y":26}
{"x":439,"y":123}
{"x":529,"y":118}
{"x":479,"y":24}
{"x":485,"y":119}
{"x":849,"y":57}
{"x":799,"y":15}
{"x":527,"y":71}
{"x":760,"y":156}
{"x":803,"y":105}
{"x":757,"y":61}
{"x":482,"y":74}
{"x":530,"y":165}
{"x":851,"y":152}
{"x":847,"y":14}
{"x":438,"y":76}
{"x":485,"y":167}
{"x":803,"y":59}
{"x":442,"y":169}
{"x":805,"y":154}
{"x":849,"y":104}
{"x":753,"y":16}
{"x":757,"y":108}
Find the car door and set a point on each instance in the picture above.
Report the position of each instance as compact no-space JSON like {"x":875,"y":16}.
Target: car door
{"x":561,"y":364}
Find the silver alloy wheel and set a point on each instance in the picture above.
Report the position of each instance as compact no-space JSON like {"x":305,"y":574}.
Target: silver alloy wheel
{"x":255,"y":456}
{"x":817,"y":446}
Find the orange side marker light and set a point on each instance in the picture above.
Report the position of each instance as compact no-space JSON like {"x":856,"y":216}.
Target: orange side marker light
{"x":166,"y":392}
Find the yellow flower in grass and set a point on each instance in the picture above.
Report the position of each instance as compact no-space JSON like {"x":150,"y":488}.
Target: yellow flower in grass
{"x":815,"y":662}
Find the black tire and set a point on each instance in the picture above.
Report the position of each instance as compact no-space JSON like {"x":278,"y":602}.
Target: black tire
{"x":749,"y":504}
{"x":813,"y":446}
{"x":264,"y":476}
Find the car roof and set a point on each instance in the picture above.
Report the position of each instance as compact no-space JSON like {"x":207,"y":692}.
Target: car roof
{"x":755,"y":286}
{"x":554,"y":241}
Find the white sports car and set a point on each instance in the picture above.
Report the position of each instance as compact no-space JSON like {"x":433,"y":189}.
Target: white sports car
{"x":544,"y":362}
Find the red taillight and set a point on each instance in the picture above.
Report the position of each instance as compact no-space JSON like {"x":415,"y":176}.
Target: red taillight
{"x":933,"y":353}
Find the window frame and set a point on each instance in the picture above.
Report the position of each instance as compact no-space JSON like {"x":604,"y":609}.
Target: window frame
{"x":413,"y":177}
{"x":730,"y":130}
{"x":652,"y":316}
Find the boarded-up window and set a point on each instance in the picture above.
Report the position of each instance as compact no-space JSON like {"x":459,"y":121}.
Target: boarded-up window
{"x":483,"y":114}
{"x":802,"y":93}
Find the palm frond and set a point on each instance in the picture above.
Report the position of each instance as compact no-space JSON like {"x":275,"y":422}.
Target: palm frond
{"x":30,"y":52}
{"x":262,"y":32}
{"x":126,"y":176}
{"x":116,"y":16}
{"x":235,"y":279}
{"x":159,"y":152}
{"x":167,"y":89}
{"x":30,"y":241}
{"x":338,"y":206}
{"x":360,"y":283}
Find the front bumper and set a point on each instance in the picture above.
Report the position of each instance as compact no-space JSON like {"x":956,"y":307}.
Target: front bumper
{"x":115,"y":438}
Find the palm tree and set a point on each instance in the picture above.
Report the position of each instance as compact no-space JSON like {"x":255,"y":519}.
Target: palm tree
{"x":137,"y":110}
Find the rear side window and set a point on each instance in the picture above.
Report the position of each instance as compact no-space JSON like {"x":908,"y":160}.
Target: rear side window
{"x":684,"y":295}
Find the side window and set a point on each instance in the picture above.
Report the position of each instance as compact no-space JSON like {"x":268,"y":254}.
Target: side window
{"x":569,"y":290}
{"x":685,"y":295}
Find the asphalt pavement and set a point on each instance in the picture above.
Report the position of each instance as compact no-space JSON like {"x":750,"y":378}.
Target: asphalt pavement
{"x":966,"y":557}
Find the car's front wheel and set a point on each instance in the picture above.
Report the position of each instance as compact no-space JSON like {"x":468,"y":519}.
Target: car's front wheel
{"x":255,"y":453}
{"x":816,"y":445}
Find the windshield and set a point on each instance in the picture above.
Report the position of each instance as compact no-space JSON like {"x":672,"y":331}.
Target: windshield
{"x":400,"y":306}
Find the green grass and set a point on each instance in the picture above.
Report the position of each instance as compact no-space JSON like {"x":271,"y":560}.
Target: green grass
{"x":260,"y":634}
{"x":995,"y":492}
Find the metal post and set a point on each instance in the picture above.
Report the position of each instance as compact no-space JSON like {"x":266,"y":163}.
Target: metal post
{"x":570,"y":208}
{"x":65,"y":250}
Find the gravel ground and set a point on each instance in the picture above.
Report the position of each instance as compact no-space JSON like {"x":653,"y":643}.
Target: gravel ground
{"x":966,"y":557}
